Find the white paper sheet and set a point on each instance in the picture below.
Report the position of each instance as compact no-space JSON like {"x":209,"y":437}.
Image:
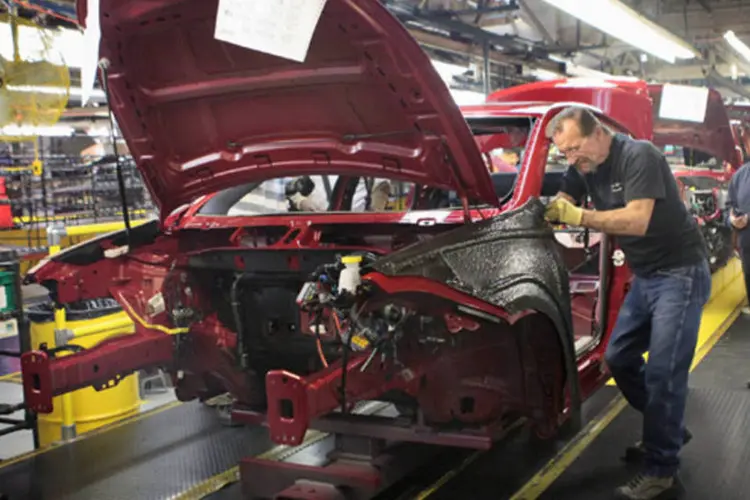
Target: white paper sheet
{"x":283,"y":28}
{"x":682,"y":102}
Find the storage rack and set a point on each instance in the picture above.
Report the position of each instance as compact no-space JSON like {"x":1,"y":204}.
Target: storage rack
{"x":13,"y":318}
{"x":74,"y":191}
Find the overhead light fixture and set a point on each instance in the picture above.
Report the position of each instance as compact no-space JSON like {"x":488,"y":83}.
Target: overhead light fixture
{"x":33,"y":131}
{"x":737,"y":44}
{"x":574,"y":69}
{"x":51,"y":90}
{"x":620,"y":21}
{"x":467,"y":97}
{"x":541,"y":74}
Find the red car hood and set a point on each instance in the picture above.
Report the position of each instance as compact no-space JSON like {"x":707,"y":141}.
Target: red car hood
{"x":200,"y":115}
{"x":714,"y":136}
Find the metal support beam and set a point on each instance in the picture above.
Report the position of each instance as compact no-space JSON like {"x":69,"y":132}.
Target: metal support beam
{"x":486,"y":73}
{"x":412,"y":17}
{"x":537,"y":24}
{"x":713,"y":78}
{"x":474,"y":52}
{"x":704,"y":4}
{"x":510,"y":7}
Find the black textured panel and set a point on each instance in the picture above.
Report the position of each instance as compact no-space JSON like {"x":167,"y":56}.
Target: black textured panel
{"x":152,"y":458}
{"x":511,"y":261}
{"x":714,"y":464}
{"x":506,"y":260}
{"x":728,"y":365}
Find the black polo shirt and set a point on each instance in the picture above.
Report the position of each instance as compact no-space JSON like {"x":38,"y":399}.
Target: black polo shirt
{"x":636,"y":170}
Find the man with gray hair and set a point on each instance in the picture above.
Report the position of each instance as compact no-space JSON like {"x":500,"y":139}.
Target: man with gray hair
{"x":636,"y":199}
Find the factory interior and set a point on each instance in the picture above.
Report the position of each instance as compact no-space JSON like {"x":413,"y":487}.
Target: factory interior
{"x":302,"y":249}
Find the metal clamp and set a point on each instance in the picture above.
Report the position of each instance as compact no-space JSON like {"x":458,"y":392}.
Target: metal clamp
{"x":63,"y":336}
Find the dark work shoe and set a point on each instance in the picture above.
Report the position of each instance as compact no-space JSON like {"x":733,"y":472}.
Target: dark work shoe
{"x":636,"y":452}
{"x":645,"y":487}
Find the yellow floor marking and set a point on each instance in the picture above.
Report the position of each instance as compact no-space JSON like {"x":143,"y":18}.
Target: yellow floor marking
{"x":100,"y":430}
{"x":223,"y":479}
{"x":718,"y":316}
{"x":10,"y":377}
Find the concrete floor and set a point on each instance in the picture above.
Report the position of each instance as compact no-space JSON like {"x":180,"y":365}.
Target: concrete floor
{"x":21,"y":441}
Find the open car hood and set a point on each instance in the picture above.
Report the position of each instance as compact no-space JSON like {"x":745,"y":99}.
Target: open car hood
{"x":200,"y":115}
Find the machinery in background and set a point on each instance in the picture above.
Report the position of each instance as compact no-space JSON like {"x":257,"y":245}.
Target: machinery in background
{"x":705,"y":195}
{"x":706,"y":154}
{"x":14,"y":342}
{"x":62,"y":191}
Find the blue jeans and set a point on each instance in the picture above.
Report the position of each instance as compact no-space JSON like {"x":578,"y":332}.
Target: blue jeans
{"x":661,"y":314}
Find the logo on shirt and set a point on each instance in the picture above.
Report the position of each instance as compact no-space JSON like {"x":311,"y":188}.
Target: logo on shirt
{"x":618,"y":258}
{"x":616,"y":187}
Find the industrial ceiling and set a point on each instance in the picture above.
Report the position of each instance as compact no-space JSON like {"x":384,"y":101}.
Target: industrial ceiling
{"x":522,"y":40}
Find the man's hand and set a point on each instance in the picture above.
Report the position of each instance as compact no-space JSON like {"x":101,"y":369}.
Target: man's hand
{"x":562,"y":210}
{"x":738,"y":221}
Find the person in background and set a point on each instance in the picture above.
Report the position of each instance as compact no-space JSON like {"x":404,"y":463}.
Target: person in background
{"x":511,"y":156}
{"x":738,"y":203}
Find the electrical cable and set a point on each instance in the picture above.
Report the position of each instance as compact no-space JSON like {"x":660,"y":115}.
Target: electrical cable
{"x":318,"y":341}
{"x":103,"y":68}
{"x":145,"y":324}
{"x":234,"y":302}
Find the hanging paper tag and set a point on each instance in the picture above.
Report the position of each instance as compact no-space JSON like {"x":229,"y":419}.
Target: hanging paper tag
{"x":683,"y":102}
{"x":282,"y":28}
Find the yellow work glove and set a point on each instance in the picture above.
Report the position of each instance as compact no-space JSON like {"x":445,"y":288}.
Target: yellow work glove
{"x":561,"y":210}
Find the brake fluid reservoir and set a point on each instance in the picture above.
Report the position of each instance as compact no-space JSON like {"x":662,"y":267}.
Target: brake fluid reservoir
{"x":349,"y":278}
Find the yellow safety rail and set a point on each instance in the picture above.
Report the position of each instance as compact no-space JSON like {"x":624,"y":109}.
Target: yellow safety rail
{"x":68,"y":428}
{"x":65,"y":236}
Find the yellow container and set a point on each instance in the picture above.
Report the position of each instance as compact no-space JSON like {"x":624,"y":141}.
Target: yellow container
{"x":91,"y":408}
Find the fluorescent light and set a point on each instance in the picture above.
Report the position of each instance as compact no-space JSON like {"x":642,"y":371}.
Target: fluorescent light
{"x":625,"y":24}
{"x":541,"y":74}
{"x":467,"y":97}
{"x":42,"y":89}
{"x":737,"y":44}
{"x":447,"y":71}
{"x":31,"y":131}
{"x":574,"y":69}
{"x":66,"y":45}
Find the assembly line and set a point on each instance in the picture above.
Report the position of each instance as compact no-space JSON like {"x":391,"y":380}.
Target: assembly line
{"x":278,"y":254}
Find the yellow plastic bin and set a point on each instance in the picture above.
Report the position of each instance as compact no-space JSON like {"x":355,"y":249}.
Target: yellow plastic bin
{"x":91,"y":408}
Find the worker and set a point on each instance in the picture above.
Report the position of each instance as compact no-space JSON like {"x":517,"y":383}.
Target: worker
{"x":738,"y":203}
{"x":511,"y":156}
{"x":636,"y":199}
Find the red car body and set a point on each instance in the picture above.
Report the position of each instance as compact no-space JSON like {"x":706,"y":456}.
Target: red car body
{"x":479,"y":312}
